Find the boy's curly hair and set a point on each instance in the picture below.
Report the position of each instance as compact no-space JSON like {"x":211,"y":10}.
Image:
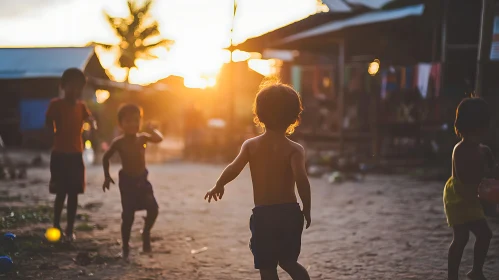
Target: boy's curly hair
{"x":277,"y":106}
{"x":126,"y":110}
{"x":472,"y":115}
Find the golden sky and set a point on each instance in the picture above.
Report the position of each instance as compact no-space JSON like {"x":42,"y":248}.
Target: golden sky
{"x":199,"y":27}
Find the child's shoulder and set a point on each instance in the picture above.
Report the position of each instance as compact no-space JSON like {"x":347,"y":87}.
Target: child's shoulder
{"x":117,"y":139}
{"x":252,"y":140}
{"x":485,"y":148}
{"x":55,"y":101}
{"x":297,"y":147}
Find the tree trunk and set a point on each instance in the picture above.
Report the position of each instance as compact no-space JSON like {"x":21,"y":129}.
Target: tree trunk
{"x":127,"y":80}
{"x":127,"y":77}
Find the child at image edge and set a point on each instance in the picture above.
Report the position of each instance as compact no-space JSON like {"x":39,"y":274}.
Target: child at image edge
{"x":136,"y":191}
{"x":65,"y":117}
{"x":470,"y":162}
{"x":276,"y":164}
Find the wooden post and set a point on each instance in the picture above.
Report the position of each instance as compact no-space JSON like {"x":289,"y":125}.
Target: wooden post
{"x":341,"y":95}
{"x":443,"y":66}
{"x":484,"y":44}
{"x":231,"y":131}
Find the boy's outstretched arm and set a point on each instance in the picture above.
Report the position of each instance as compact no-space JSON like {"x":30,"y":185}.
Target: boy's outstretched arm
{"x":153,"y":135}
{"x":302,"y":183}
{"x":230,"y":173}
{"x":105,"y":164}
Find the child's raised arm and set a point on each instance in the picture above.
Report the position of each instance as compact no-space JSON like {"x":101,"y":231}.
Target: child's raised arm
{"x":230,"y":173}
{"x":153,"y":135}
{"x":302,"y":183}
{"x":105,"y":164}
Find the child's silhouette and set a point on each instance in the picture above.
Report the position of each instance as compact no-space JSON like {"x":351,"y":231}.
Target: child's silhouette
{"x":470,"y":161}
{"x":65,"y":117}
{"x":276,"y":164}
{"x":136,"y":191}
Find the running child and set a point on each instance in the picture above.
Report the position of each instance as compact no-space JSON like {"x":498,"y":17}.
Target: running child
{"x":136,"y":191}
{"x":276,"y":164}
{"x":65,"y":117}
{"x":470,"y":162}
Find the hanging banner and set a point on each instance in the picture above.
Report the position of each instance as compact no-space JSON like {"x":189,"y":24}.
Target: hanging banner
{"x":494,"y":50}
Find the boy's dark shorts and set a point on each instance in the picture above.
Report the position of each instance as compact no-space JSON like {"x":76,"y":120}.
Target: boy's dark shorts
{"x":136,"y":193}
{"x":67,"y":173}
{"x":276,"y":234}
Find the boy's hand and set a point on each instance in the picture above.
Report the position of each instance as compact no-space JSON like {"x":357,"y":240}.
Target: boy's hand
{"x":151,"y":127}
{"x":306,"y":214}
{"x":106,"y":184}
{"x":93,"y":123}
{"x":216,"y":193}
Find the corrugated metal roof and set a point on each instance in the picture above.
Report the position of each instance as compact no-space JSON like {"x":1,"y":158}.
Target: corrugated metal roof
{"x":343,"y":6}
{"x":372,"y":17}
{"x":373,"y":4}
{"x":258,"y":44}
{"x":19,"y":63}
{"x":337,"y":6}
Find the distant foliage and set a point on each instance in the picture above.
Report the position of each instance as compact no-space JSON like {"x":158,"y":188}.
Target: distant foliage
{"x":138,"y":33}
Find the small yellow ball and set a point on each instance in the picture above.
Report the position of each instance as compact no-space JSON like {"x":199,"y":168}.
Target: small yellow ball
{"x":53,"y":234}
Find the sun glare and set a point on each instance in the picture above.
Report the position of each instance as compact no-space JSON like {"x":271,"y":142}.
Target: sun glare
{"x":101,"y":95}
{"x":200,"y":29}
{"x":266,"y":67}
{"x":238,"y":56}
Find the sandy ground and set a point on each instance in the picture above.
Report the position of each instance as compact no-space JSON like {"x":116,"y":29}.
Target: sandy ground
{"x":383,"y":228}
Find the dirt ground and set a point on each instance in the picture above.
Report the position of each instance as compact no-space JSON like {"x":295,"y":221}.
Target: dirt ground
{"x":383,"y":228}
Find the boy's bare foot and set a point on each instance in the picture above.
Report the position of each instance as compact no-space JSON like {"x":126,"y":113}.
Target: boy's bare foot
{"x":125,"y":254}
{"x":474,"y":275}
{"x":146,"y":242}
{"x":69,"y":238}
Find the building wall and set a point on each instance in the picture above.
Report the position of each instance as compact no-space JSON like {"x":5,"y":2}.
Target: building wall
{"x":23,"y":103}
{"x":22,"y":110}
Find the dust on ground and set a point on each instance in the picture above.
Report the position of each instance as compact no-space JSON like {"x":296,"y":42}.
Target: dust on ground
{"x":388,"y":227}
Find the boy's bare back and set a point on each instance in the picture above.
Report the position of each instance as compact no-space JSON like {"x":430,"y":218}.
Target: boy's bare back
{"x":470,"y":162}
{"x":270,"y":158}
{"x":277,"y":164}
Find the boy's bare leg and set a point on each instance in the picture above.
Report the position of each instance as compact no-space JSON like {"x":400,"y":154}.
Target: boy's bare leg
{"x":456,"y":249}
{"x":126,"y":228}
{"x":71,"y":212}
{"x":58,"y":205}
{"x":152,"y":214}
{"x":269,"y":274}
{"x":295,"y":270}
{"x":483,"y":235}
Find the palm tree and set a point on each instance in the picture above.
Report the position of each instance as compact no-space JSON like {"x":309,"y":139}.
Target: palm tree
{"x":138,"y":33}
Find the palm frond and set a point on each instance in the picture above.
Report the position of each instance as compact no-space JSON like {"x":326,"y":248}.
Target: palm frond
{"x":145,"y":9}
{"x":147,"y":56}
{"x":109,"y":19}
{"x":148,"y":31}
{"x":131,"y":6}
{"x":117,"y":24}
{"x":161,"y":43}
